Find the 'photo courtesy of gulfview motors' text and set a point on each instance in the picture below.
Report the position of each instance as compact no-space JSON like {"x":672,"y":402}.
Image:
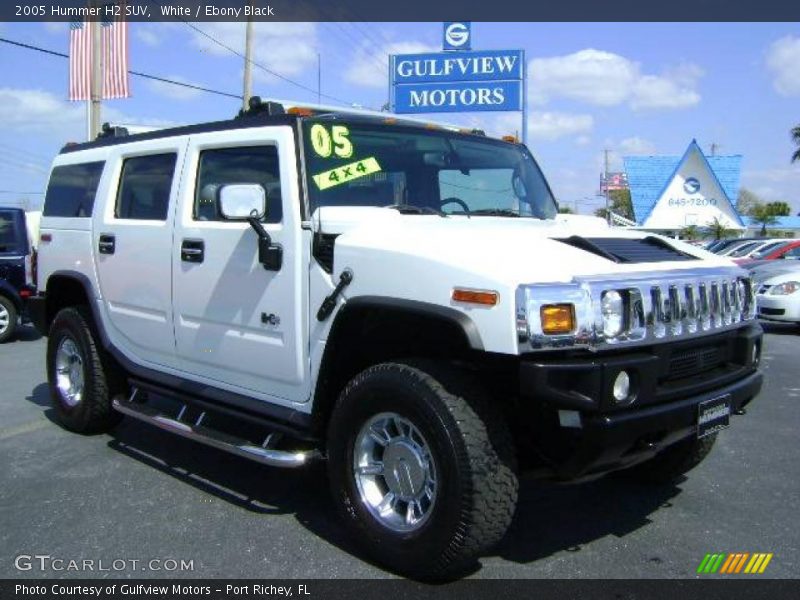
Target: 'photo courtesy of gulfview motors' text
{"x":294,"y":292}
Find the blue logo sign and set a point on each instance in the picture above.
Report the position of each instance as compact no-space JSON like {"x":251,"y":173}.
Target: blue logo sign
{"x":691,"y":185}
{"x":464,"y":96}
{"x":463,"y":82}
{"x":457,"y":36}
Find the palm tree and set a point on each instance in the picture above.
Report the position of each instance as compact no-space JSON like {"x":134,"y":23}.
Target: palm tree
{"x":764,"y":215}
{"x":717,"y":229}
{"x":690,"y":232}
{"x":796,"y":140}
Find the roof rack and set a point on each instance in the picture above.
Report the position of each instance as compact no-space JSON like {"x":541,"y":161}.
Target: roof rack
{"x":293,"y":107}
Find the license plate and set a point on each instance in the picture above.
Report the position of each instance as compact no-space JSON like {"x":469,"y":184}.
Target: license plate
{"x":713,"y":415}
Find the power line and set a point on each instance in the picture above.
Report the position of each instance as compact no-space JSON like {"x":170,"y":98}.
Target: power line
{"x":136,"y":73}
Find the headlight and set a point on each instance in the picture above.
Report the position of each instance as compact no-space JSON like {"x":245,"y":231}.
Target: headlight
{"x":612,"y":308}
{"x":784,"y":289}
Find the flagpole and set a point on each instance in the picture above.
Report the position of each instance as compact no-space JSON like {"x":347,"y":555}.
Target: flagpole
{"x":97,"y":79}
{"x":247,"y":87}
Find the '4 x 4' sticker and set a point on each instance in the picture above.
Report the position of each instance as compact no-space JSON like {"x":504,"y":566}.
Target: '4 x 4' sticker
{"x":347,"y":173}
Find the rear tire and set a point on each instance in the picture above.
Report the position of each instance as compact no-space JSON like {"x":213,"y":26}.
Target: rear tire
{"x":672,"y":462}
{"x":82,"y":377}
{"x":446,"y":456}
{"x":8,"y":319}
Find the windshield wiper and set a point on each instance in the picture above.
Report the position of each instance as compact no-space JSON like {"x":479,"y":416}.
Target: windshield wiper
{"x":411,"y":209}
{"x":496,"y":212}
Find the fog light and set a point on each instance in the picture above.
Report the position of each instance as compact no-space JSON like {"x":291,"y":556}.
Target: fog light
{"x":622,"y":387}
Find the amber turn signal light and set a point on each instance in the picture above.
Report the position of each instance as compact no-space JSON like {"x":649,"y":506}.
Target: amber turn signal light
{"x":557,"y":318}
{"x":484,"y":298}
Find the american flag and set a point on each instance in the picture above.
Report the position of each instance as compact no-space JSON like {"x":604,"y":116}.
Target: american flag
{"x":115,"y":60}
{"x":80,"y":61}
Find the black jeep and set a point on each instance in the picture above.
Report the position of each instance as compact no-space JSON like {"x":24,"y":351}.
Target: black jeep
{"x":17,"y":260}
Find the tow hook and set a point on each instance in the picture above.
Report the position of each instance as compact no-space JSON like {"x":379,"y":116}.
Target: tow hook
{"x":327,"y":306}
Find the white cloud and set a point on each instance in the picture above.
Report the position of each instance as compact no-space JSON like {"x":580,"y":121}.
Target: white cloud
{"x":174,"y":92}
{"x":147,"y":34}
{"x":39,"y":111}
{"x":42,"y":113}
{"x":636,"y":145}
{"x":288,"y":49}
{"x":783,"y":61}
{"x":369,"y":67}
{"x":56,"y":28}
{"x":777,"y":183}
{"x":545,"y":126}
{"x":607,"y":79}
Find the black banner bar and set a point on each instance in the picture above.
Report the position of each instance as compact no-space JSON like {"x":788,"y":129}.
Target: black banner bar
{"x":407,"y":10}
{"x":343,"y":589}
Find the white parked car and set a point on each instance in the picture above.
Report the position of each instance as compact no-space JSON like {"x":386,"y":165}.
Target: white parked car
{"x":778,"y":297}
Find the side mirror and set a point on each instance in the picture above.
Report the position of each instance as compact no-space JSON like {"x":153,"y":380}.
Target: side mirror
{"x":241,"y":202}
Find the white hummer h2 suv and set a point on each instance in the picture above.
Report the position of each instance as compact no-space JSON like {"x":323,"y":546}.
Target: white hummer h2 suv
{"x":398,"y":299}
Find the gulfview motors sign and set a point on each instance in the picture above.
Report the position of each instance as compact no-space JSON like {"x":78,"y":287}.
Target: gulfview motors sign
{"x":457,"y":82}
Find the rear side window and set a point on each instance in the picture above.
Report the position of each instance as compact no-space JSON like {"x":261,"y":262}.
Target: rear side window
{"x":145,"y":186}
{"x":10,"y":238}
{"x":72,"y":190}
{"x":254,"y":164}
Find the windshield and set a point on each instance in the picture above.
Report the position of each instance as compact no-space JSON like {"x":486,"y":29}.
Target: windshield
{"x":369,"y":164}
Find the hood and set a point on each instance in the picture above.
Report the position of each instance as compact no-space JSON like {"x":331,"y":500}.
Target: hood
{"x":503,"y":249}
{"x":785,"y":275}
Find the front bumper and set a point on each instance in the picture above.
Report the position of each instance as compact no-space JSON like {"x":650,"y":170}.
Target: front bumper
{"x":779,"y":308}
{"x":580,"y":431}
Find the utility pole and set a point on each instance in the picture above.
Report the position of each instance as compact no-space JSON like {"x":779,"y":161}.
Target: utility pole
{"x":95,"y":104}
{"x":319,"y":78}
{"x":605,"y":185}
{"x":247,"y":90}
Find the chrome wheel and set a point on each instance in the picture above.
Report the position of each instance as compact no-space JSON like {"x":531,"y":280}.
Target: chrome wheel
{"x":395,"y":472}
{"x":69,"y":372}
{"x":5,"y":319}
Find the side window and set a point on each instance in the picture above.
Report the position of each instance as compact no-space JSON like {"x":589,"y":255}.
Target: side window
{"x":793,"y":253}
{"x":145,"y":186}
{"x":253,"y":164}
{"x":72,"y":189}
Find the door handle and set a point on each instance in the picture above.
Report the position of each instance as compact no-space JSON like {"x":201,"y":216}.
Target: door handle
{"x":193,"y":251}
{"x":107,"y":244}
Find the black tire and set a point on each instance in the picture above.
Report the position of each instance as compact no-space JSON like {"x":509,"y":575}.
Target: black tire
{"x":9,"y":308}
{"x":471,"y":446}
{"x":102,"y":379}
{"x":672,"y":462}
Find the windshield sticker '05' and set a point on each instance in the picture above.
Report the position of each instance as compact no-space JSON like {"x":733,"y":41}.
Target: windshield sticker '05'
{"x":336,"y":141}
{"x":347,"y":173}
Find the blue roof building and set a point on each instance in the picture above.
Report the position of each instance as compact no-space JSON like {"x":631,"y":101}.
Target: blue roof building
{"x":671,"y":192}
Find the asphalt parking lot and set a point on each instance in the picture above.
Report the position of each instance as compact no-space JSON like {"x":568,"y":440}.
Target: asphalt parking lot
{"x":142,"y":495}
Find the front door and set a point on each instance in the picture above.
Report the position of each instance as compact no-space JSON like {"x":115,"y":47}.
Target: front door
{"x":238,"y":325}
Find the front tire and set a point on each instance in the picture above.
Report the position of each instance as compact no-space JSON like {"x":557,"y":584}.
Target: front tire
{"x":8,"y":319}
{"x":422,"y":468}
{"x":82,"y":377}
{"x":672,"y":462}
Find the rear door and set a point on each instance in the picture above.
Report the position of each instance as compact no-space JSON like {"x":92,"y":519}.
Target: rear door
{"x":132,"y":235}
{"x":237,"y":325}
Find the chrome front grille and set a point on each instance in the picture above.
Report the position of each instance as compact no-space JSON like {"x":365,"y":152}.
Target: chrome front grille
{"x":659,"y":306}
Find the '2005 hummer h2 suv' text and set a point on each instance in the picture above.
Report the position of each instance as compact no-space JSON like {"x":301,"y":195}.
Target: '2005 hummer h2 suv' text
{"x":400,"y":300}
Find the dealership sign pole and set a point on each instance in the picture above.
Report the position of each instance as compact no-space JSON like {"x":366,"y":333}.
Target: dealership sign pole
{"x":459,"y":79}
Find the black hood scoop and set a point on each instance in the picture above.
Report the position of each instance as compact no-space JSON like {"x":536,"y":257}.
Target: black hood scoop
{"x":627,"y":250}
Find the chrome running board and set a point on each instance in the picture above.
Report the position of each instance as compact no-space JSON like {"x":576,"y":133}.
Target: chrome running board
{"x":198,"y":432}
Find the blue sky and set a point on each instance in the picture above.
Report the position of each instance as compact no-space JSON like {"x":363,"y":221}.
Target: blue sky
{"x":631,"y":88}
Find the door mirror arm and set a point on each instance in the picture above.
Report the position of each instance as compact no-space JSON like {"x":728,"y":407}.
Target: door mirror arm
{"x":271,"y":257}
